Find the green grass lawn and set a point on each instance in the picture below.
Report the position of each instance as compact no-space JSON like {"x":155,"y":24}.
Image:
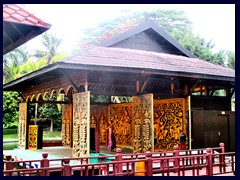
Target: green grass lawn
{"x":12,"y":145}
{"x":46,"y":134}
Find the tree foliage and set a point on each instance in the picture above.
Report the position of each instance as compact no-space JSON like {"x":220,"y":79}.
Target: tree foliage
{"x":231,"y":59}
{"x":51,"y":43}
{"x":50,"y":113}
{"x":175,"y":23}
{"x":12,"y":61}
{"x":10,"y":109}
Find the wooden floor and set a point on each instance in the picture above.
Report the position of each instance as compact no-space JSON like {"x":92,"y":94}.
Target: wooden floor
{"x":53,"y":152}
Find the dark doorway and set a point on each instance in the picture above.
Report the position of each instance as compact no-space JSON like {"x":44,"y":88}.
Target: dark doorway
{"x":209,"y":128}
{"x":92,"y":140}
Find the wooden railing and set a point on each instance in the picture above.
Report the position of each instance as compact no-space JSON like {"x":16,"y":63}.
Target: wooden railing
{"x":196,"y":162}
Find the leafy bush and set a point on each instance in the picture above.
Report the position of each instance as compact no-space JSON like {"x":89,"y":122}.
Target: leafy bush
{"x":10,"y":131}
{"x":10,"y":109}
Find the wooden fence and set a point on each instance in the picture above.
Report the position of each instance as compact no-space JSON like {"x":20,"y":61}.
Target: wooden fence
{"x":196,"y":162}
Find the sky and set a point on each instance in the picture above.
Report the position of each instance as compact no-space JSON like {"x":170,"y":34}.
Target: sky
{"x":214,"y":22}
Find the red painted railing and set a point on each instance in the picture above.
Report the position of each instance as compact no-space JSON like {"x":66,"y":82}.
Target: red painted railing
{"x":197,"y":162}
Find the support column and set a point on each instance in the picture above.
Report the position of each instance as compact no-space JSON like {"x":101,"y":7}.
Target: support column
{"x":22,"y":126}
{"x":67,"y":125}
{"x":81,"y":124}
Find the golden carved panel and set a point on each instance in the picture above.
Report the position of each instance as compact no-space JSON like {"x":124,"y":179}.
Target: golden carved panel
{"x":22,"y":125}
{"x":33,"y":137}
{"x":81,"y":124}
{"x":66,"y":124}
{"x":169,"y":121}
{"x":147,"y":123}
{"x":120,"y":116}
{"x":99,"y":119}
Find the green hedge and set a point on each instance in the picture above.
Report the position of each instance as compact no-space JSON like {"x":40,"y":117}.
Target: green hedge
{"x":10,"y":131}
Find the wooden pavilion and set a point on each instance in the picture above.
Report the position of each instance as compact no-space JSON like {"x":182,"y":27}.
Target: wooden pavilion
{"x":171,"y":92}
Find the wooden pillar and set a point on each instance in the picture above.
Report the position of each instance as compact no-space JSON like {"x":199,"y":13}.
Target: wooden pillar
{"x":23,"y":125}
{"x":81,"y":124}
{"x":142,"y":123}
{"x":67,"y":124}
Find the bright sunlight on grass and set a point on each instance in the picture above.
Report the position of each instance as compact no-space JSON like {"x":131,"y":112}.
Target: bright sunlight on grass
{"x":46,"y":134}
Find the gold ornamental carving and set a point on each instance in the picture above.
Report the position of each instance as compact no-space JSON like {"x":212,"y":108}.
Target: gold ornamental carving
{"x":81,"y":124}
{"x":120,"y":116}
{"x":169,"y":121}
{"x":99,"y":119}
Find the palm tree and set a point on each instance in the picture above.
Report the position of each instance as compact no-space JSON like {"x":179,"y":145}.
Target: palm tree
{"x":11,"y":62}
{"x":51,"y":43}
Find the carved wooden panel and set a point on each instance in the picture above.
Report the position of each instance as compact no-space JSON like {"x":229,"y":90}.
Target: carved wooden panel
{"x":169,"y":121}
{"x":142,"y":108}
{"x":99,"y":119}
{"x":120,"y":116}
{"x":33,"y":137}
{"x":66,"y":124}
{"x":22,"y":125}
{"x":137,"y":124}
{"x":81,"y":124}
{"x":147,"y":123}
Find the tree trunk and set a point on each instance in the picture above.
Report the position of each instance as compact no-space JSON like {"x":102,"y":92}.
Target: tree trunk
{"x":51,"y":127}
{"x":36,"y":110}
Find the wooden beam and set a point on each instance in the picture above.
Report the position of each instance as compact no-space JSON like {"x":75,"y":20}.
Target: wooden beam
{"x":50,"y":102}
{"x":145,"y":84}
{"x":70,"y":80}
{"x":24,"y":100}
{"x":194,"y":86}
{"x":137,"y":86}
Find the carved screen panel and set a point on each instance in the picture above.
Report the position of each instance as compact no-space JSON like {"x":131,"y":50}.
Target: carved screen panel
{"x":169,"y":121}
{"x":33,"y":137}
{"x":120,"y":116}
{"x":66,"y":124}
{"x":99,"y":120}
{"x":81,"y":124}
{"x":142,"y":130}
{"x":147,"y":123}
{"x":22,"y":125}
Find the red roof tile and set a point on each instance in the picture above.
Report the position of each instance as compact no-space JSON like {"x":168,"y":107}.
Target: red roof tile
{"x":14,"y":13}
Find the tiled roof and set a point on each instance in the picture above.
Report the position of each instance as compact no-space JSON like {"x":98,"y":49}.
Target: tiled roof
{"x":149,"y":24}
{"x":16,"y":14}
{"x":128,"y":58}
{"x":19,"y":26}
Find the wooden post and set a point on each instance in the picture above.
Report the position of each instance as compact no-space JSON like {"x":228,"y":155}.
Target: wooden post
{"x":148,"y":164}
{"x":119,"y":158}
{"x":67,"y":168}
{"x":9,"y":164}
{"x":222,"y":158}
{"x":176,"y":160}
{"x":45,"y":163}
{"x":209,"y":167}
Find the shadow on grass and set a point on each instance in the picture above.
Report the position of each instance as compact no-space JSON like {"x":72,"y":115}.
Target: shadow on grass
{"x":9,"y":145}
